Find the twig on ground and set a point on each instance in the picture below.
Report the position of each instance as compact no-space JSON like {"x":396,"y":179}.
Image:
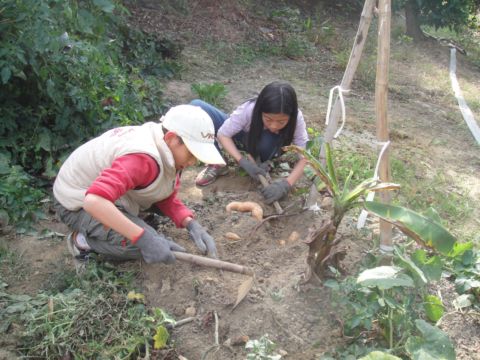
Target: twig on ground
{"x":270,"y":218}
{"x":216,"y":328}
{"x":217,"y":345}
{"x":180,"y":322}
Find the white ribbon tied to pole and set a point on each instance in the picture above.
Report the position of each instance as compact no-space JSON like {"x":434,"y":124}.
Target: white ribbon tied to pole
{"x":342,"y":104}
{"x":462,"y":104}
{"x":363,"y":215}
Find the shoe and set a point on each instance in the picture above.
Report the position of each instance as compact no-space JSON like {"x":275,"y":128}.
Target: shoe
{"x":210,"y":174}
{"x":80,"y":257}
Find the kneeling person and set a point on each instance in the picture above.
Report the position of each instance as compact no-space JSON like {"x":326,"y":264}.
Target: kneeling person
{"x":105,"y":183}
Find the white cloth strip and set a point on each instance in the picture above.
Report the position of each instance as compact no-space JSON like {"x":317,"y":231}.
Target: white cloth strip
{"x":342,"y":104}
{"x":362,"y":218}
{"x":462,"y":104}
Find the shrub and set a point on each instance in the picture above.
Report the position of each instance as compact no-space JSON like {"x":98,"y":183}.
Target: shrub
{"x":70,"y":70}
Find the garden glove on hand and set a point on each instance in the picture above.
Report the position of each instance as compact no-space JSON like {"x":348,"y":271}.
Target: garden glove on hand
{"x":202,"y":238}
{"x":276,"y":190}
{"x":155,"y":247}
{"x":251,"y":168}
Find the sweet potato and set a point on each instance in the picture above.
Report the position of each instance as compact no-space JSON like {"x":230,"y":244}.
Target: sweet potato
{"x":247,"y":206}
{"x":232,"y":236}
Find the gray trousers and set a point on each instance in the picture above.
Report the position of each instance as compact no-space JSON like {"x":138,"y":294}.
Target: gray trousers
{"x":103,"y":241}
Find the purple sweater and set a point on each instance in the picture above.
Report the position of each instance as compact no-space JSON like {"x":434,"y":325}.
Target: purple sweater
{"x":241,"y":119}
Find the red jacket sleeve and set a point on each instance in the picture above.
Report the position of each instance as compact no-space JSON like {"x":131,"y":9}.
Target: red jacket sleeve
{"x":127,"y":172}
{"x":136,"y":171}
{"x":174,"y":208}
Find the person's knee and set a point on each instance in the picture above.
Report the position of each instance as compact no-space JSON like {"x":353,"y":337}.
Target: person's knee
{"x":198,"y":102}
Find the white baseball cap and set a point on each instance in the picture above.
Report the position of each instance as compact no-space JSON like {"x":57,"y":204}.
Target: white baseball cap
{"x":196,"y":129}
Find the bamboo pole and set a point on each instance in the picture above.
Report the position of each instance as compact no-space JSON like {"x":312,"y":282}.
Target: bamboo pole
{"x":353,"y":61}
{"x":381,"y":111}
{"x":215,"y":263}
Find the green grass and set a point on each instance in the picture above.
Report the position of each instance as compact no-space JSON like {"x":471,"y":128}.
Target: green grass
{"x":12,"y":265}
{"x":94,"y":316}
{"x":211,"y":93}
{"x":468,"y":39}
{"x":419,"y":193}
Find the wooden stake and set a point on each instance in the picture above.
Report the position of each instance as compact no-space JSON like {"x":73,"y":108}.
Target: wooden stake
{"x":381,"y":109}
{"x":215,"y":263}
{"x":353,"y":61}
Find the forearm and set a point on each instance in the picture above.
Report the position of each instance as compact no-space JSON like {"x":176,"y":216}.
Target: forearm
{"x":297,"y":171}
{"x":230,"y":147}
{"x":110,"y":216}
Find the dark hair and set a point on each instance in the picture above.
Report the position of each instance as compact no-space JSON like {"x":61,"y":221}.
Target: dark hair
{"x":275,"y":98}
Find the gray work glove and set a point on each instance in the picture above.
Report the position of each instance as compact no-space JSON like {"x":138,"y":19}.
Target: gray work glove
{"x":202,"y":238}
{"x":155,"y":247}
{"x":276,"y":190}
{"x":251,"y":168}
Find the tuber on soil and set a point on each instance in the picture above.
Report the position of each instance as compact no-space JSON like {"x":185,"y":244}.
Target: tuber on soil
{"x":232,"y":236}
{"x":247,"y":206}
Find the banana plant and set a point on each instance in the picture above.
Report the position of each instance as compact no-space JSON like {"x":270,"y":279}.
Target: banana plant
{"x":426,"y":231}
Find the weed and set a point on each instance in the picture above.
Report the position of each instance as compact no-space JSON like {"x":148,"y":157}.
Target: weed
{"x":20,"y":200}
{"x":262,"y":349}
{"x":12,"y":265}
{"x":94,"y":317}
{"x":341,"y":58}
{"x":211,"y":93}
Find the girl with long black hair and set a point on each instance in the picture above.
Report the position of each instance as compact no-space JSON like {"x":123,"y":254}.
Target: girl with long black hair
{"x":261,"y":126}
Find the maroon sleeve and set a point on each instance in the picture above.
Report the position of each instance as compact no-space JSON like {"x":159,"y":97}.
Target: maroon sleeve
{"x":127,"y":172}
{"x":174,"y":208}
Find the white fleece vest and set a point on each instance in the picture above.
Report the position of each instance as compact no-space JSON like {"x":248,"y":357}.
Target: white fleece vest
{"x":86,"y":163}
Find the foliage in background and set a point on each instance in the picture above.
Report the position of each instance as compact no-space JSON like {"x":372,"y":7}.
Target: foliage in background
{"x":453,"y":14}
{"x":97,"y":316}
{"x":213,"y":94}
{"x":20,"y":200}
{"x":68,"y":71}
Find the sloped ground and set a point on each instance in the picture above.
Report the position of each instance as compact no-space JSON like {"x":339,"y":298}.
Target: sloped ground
{"x":426,"y":130}
{"x":427,"y":134}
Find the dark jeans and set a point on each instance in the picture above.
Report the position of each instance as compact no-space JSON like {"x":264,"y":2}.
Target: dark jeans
{"x":269,"y":145}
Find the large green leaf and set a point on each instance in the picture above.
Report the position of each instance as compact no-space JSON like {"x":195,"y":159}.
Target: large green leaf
{"x":379,"y":355}
{"x":409,"y":264}
{"x":384,"y":277}
{"x":331,"y":168}
{"x":433,"y":307}
{"x":420,"y":228}
{"x":433,"y":345}
{"x":431,"y":266}
{"x":106,"y":5}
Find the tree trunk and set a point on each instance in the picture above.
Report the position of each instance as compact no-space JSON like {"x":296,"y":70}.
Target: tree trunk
{"x":412,"y":24}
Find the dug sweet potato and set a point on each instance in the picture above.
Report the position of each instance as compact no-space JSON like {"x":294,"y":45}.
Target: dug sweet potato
{"x":246,"y":206}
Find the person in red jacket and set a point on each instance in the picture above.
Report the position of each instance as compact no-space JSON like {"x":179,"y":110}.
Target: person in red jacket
{"x":104,"y":184}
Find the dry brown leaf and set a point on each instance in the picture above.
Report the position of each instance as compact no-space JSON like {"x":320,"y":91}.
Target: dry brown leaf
{"x":243,"y":291}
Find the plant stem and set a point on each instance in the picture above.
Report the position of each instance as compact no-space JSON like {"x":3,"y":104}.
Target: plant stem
{"x":390,"y":325}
